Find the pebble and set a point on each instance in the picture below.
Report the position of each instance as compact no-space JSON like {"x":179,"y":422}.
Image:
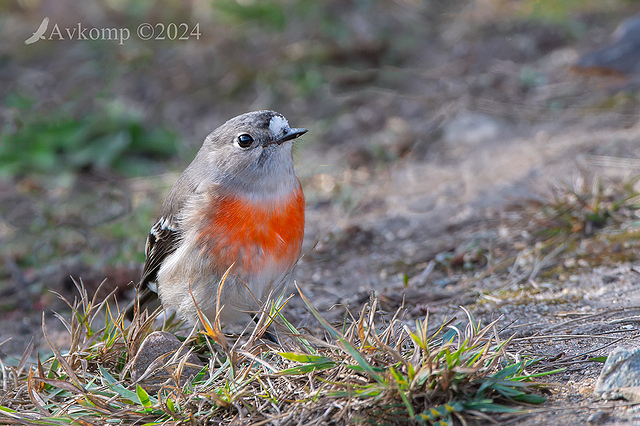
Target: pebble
{"x":620,"y":375}
{"x":598,"y":417}
{"x":157,"y":349}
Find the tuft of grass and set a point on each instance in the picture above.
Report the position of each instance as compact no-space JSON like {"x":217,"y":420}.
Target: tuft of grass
{"x":587,"y":221}
{"x":369,"y":371}
{"x":580,"y":208}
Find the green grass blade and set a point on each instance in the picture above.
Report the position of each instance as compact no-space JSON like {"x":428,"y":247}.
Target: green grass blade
{"x":348,"y":347}
{"x":143,"y":397}
{"x":116,"y":386}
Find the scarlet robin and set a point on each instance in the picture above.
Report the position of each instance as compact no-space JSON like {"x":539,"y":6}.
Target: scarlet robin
{"x":238,"y":205}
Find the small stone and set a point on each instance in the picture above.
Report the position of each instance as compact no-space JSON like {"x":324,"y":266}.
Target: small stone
{"x":442,"y":282}
{"x":155,"y":352}
{"x":598,"y":417}
{"x":470,"y":129}
{"x":631,"y":393}
{"x":423,"y":204}
{"x":620,"y":375}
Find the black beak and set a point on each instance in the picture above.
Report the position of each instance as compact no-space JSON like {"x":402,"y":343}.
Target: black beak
{"x":291,"y":134}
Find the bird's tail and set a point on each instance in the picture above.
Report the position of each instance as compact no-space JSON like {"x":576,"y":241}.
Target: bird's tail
{"x":143,"y":299}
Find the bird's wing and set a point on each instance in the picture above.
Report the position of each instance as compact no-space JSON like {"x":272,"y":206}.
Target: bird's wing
{"x":166,"y":233}
{"x":165,"y":236}
{"x":163,"y":240}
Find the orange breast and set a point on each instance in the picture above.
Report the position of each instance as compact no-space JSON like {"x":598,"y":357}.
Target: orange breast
{"x":253,"y":235}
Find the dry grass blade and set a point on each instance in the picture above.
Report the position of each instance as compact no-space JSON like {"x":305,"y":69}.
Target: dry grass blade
{"x":33,"y":395}
{"x":25,"y":356}
{"x":214,"y":330}
{"x":70,"y":372}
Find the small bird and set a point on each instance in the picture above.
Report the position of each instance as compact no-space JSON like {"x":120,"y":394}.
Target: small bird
{"x":238,"y":206}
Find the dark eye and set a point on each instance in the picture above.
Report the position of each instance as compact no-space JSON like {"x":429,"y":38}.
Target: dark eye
{"x":245,"y":140}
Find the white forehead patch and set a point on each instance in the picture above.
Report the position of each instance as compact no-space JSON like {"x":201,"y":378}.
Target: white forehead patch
{"x":278,"y":124}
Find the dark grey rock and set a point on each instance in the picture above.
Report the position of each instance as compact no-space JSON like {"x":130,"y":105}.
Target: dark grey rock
{"x":151,"y":366}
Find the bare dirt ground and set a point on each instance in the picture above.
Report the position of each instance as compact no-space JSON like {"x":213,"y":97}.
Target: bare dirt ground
{"x":448,"y":155}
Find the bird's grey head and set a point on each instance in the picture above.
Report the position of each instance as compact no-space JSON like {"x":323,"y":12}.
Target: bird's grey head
{"x":252,"y":150}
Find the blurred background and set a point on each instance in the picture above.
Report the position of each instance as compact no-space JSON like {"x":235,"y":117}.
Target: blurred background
{"x":425,"y":117}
